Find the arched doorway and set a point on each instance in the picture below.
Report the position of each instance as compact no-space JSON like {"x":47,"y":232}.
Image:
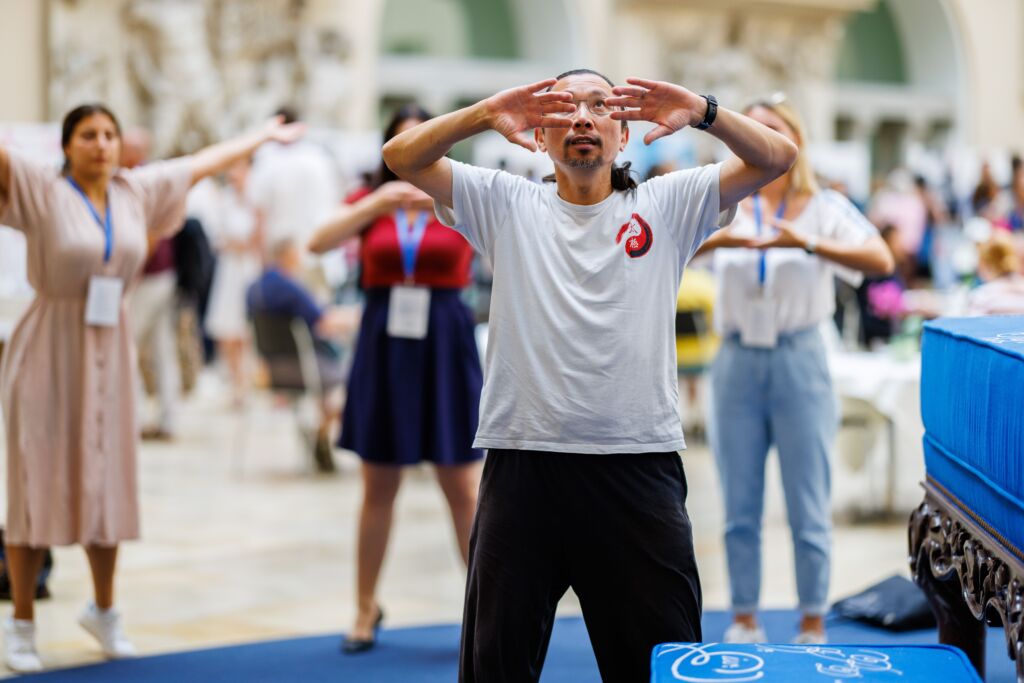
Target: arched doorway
{"x":900,"y":82}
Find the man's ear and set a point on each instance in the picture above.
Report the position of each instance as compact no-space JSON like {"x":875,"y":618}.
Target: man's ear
{"x":625,"y":138}
{"x":538,"y":137}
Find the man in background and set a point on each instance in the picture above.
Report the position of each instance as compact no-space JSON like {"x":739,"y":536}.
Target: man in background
{"x":153,"y":315}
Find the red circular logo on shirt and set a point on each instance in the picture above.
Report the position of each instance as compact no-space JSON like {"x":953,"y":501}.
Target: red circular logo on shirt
{"x":637,"y":235}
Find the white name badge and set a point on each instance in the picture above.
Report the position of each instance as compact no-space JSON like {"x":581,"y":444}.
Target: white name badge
{"x":759,"y":328}
{"x":409,"y":312}
{"x":103,"y":306}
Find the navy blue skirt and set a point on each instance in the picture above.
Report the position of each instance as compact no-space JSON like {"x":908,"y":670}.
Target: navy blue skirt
{"x":411,"y":400}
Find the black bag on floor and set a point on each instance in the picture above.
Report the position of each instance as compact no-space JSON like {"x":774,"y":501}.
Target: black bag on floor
{"x":896,"y":604}
{"x":42,"y":591}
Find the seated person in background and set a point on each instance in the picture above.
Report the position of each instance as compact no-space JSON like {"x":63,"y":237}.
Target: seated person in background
{"x":880,"y":298}
{"x":999,"y":268}
{"x":278,"y":292}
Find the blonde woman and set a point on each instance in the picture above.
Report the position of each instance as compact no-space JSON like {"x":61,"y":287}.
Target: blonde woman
{"x":770,"y":382}
{"x":999,"y":268}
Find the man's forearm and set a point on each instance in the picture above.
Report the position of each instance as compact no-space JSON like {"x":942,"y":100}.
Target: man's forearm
{"x":756,"y":145}
{"x":420,"y":146}
{"x":762,"y":155}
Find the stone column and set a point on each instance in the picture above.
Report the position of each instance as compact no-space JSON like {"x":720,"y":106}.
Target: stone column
{"x":359,"y":22}
{"x":23,"y":72}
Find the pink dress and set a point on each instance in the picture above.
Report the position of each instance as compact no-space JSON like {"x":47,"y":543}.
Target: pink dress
{"x":66,"y":387}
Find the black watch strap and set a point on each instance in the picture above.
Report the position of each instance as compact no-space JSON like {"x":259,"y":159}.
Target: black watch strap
{"x":710,"y":114}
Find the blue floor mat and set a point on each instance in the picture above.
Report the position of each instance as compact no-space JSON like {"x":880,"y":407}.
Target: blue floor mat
{"x":428,"y":654}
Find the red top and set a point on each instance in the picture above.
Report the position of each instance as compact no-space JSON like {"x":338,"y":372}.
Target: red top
{"x":161,"y":259}
{"x":442,"y":261}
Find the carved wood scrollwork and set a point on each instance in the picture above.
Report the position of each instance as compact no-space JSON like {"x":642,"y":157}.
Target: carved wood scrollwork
{"x":953,"y":562}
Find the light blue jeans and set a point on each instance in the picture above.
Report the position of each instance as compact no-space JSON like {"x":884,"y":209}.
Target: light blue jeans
{"x":781,"y":396}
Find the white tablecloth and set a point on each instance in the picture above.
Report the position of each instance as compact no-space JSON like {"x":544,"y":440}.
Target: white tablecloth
{"x":878,"y":391}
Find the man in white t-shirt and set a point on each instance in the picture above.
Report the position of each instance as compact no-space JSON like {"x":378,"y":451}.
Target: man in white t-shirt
{"x":295,"y":186}
{"x":583,"y":486}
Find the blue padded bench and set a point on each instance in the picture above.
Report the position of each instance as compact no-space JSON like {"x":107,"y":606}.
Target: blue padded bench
{"x":700,"y":663}
{"x":967,"y":537}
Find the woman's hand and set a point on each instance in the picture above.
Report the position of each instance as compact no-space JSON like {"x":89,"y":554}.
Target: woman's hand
{"x":400,"y":195}
{"x":516,"y":110}
{"x":276,"y":130}
{"x":351,"y":219}
{"x":218,"y":157}
{"x":787,"y":237}
{"x":725,"y":239}
{"x":671,"y":107}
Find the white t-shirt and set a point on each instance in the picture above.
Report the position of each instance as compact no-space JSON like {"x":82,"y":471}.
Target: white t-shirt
{"x":296,"y":187}
{"x":581,"y":346}
{"x":799,"y":285}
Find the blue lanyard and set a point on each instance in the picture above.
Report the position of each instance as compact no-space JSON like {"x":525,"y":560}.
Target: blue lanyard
{"x":409,"y":239}
{"x":106,"y":225}
{"x":762,"y":266}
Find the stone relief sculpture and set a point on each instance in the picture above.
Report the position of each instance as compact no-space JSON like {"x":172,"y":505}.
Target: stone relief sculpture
{"x":194,"y":71}
{"x":741,"y":57}
{"x":172,"y":70}
{"x":326,"y":58}
{"x":256,"y":46}
{"x":78,"y":66}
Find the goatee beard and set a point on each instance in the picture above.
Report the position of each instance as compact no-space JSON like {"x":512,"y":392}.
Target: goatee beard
{"x":585,"y":163}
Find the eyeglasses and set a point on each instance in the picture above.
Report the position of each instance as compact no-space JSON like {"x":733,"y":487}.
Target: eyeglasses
{"x":595,"y":105}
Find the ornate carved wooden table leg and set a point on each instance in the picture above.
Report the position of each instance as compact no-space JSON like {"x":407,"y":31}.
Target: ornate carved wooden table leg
{"x":930,"y":550}
{"x":970,"y":578}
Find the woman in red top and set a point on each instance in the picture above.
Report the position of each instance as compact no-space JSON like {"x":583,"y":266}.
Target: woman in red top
{"x":414,"y":388}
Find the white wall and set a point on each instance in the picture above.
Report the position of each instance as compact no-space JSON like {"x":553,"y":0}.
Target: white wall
{"x":993,"y":40}
{"x":23,"y":60}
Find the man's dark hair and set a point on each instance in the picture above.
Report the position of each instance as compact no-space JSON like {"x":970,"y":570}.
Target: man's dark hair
{"x":290,"y":113}
{"x":406,"y":112}
{"x":622,"y":177}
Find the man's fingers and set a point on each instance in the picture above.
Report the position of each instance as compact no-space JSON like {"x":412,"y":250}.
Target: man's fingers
{"x":539,"y":85}
{"x":556,"y":107}
{"x":629,"y":115}
{"x":555,"y":122}
{"x":643,"y":83}
{"x":629,"y":91}
{"x":659,"y":132}
{"x":523,"y":140}
{"x":558,"y":96}
{"x":625,"y":101}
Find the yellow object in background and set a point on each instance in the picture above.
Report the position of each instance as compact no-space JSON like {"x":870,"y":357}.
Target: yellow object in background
{"x":696,"y":341}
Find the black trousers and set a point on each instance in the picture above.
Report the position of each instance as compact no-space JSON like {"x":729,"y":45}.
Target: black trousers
{"x":613,"y":527}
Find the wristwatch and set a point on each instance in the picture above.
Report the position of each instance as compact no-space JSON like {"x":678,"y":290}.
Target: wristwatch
{"x":710,"y":114}
{"x":811,"y":244}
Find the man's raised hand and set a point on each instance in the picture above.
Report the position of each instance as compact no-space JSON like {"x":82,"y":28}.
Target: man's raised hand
{"x":516,"y":110}
{"x":669,"y":106}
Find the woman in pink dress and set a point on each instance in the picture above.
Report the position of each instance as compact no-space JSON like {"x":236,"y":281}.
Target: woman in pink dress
{"x":66,"y":379}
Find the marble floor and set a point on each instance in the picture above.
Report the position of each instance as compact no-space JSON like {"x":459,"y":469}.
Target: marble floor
{"x":241,"y":542}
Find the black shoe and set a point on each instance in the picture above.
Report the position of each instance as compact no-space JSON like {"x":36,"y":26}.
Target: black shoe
{"x":323,"y":455}
{"x":354,"y":646}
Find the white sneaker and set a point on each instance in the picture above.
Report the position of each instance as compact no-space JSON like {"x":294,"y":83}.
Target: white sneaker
{"x":20,"y":646}
{"x":741,"y":633}
{"x":810,"y":638}
{"x":105,"y":627}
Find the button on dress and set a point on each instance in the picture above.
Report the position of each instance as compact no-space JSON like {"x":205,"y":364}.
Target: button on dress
{"x":66,"y":387}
